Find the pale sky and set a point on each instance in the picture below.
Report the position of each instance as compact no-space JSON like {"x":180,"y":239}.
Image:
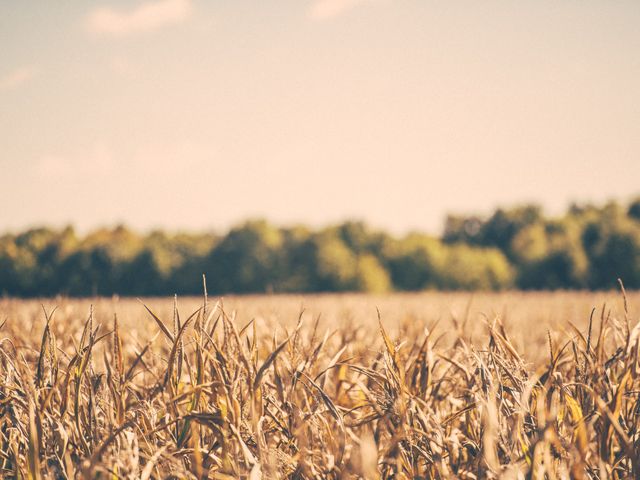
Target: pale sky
{"x":193,"y":114}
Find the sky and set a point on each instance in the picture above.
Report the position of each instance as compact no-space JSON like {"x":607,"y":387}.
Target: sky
{"x":197,"y":115}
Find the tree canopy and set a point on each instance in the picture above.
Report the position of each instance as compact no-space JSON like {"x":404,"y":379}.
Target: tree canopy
{"x":590,"y":246}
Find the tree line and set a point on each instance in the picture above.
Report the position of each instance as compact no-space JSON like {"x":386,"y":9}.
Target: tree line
{"x":590,"y":246}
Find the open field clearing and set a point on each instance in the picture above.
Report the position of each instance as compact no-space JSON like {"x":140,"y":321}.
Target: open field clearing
{"x":446,"y":385}
{"x":527,"y":316}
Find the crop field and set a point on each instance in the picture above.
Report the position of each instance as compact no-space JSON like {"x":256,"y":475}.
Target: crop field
{"x":428,"y":385}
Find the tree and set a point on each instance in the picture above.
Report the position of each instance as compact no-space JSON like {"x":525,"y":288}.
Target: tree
{"x":415,"y":262}
{"x":371,"y":276}
{"x":468,"y":268}
{"x":462,"y":229}
{"x":501,"y":228}
{"x":89,"y":272}
{"x":613,"y":248}
{"x":550,"y":255}
{"x":245,"y":259}
{"x":634,"y":209}
{"x":591,"y":246}
{"x":10,"y":278}
{"x":144,"y":274}
{"x":333,"y":264}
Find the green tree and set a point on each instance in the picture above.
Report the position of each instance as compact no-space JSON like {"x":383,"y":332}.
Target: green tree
{"x":371,"y":276}
{"x":634,"y":209}
{"x":462,"y":229}
{"x":89,"y":272}
{"x":468,"y":268}
{"x":333,"y":264}
{"x":415,"y":262}
{"x":10,"y":275}
{"x":613,"y":248}
{"x":501,"y":228}
{"x":550,"y":255}
{"x":245,"y":259}
{"x":145,"y":274}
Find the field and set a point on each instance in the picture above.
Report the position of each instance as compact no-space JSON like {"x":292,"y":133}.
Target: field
{"x":430,"y":385}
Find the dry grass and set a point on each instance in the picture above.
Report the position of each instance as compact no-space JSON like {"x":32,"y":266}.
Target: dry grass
{"x":504,"y":386}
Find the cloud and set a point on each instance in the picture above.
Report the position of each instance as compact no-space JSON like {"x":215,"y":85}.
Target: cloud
{"x":324,"y":9}
{"x":97,"y":162}
{"x":17,"y":77}
{"x":146,"y":17}
{"x":159,"y":161}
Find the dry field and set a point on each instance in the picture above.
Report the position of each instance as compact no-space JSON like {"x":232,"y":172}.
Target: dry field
{"x":445,"y":385}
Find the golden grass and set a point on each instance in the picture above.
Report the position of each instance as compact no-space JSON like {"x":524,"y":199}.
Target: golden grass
{"x":504,"y":385}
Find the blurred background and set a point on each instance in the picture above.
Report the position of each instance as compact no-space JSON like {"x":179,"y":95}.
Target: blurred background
{"x":318,"y":145}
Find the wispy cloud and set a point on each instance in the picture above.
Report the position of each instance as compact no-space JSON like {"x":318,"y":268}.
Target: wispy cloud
{"x":145,"y":17}
{"x":324,"y":9}
{"x":17,"y":77}
{"x":97,"y":162}
{"x":156,"y":160}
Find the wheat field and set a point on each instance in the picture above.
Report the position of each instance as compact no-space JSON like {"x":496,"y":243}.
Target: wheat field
{"x":428,"y":385}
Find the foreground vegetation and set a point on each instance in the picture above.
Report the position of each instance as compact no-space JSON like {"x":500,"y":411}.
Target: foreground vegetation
{"x":588,"y":247}
{"x":205,"y":395}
